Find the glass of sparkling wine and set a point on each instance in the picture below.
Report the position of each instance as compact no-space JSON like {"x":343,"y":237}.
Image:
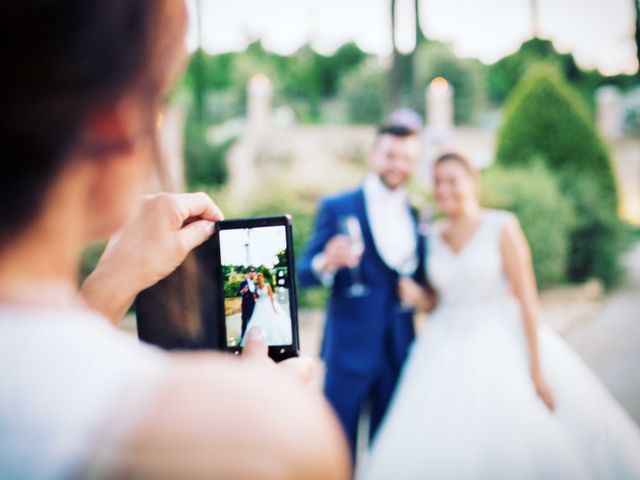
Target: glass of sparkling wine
{"x":350,"y":226}
{"x":407,"y":269}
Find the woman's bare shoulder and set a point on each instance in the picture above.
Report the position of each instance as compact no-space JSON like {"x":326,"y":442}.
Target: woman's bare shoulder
{"x":229,"y":418}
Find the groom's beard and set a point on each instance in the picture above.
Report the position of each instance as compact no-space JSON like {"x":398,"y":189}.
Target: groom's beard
{"x":391,"y":183}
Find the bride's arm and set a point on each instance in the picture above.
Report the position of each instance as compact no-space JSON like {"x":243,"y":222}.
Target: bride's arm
{"x":273,"y":300}
{"x":519,"y":268}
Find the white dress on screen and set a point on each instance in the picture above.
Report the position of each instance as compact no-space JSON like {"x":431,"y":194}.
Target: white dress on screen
{"x":270,"y":317}
{"x":465,"y":406}
{"x":66,"y":378}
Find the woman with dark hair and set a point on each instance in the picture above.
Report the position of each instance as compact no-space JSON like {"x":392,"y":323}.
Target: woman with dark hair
{"x":81,"y":90}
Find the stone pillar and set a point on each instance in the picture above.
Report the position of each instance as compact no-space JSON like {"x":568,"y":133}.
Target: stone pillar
{"x":439,"y":106}
{"x":609,"y":111}
{"x":259,"y":94}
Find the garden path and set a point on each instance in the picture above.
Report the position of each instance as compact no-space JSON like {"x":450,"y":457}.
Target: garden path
{"x":610,"y":343}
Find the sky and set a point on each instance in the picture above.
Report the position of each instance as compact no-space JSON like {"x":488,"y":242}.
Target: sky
{"x":598,"y":32}
{"x":264,"y":243}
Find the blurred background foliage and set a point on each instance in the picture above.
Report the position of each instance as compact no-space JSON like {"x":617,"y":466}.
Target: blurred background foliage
{"x":545,"y":214}
{"x":316,"y":84}
{"x":551,"y":167}
{"x":546,"y":121}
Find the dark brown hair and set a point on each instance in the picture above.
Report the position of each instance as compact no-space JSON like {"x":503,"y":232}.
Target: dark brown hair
{"x":460,"y":159}
{"x":62,"y":60}
{"x":399,"y":131}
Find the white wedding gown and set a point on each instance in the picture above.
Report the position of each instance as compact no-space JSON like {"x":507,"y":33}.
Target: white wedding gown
{"x":275,"y":324}
{"x":466,"y":408}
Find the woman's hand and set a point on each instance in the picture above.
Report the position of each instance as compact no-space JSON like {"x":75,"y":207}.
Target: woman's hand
{"x":413,"y":295}
{"x":543,"y":390}
{"x":152,"y":244}
{"x":255,"y":349}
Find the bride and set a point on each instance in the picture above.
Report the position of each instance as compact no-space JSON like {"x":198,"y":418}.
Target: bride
{"x":485,"y":392}
{"x":268,"y":315}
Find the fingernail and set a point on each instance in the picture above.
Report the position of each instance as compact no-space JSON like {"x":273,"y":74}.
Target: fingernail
{"x":210,"y":228}
{"x":255,"y":335}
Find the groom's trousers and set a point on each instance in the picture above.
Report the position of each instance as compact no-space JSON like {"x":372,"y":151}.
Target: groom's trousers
{"x":350,"y":393}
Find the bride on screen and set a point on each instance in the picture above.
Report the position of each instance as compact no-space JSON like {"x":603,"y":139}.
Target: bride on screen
{"x":268,"y":315}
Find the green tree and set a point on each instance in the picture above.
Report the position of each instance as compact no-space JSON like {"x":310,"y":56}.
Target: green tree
{"x":363,"y":92}
{"x":282,"y":258}
{"x":544,"y":119}
{"x":507,"y":72}
{"x":504,"y":75}
{"x":205,"y":163}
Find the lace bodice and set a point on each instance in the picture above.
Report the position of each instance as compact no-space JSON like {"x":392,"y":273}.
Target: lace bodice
{"x":476,"y":272}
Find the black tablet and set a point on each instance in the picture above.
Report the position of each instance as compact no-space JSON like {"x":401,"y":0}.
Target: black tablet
{"x":242,"y":277}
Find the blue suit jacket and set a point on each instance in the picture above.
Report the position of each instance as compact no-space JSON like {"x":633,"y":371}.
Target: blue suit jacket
{"x":362,"y":332}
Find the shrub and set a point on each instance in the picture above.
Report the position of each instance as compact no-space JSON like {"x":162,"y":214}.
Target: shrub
{"x":545,"y":214}
{"x":363,"y":90}
{"x":205,"y":163}
{"x":231,"y":289}
{"x":545,"y":118}
{"x":597,"y":239}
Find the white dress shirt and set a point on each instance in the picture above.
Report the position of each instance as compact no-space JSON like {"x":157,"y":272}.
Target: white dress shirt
{"x":392,"y":226}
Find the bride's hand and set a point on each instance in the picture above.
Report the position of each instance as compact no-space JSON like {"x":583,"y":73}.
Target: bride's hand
{"x":413,"y":295}
{"x":543,"y":390}
{"x":410,"y":292}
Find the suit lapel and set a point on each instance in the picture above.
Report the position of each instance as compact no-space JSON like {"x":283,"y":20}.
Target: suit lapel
{"x":363,"y":217}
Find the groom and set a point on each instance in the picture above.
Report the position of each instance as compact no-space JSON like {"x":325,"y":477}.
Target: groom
{"x":367,"y":337}
{"x":248,"y":293}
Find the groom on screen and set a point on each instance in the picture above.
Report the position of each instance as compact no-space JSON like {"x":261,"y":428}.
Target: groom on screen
{"x":248,"y":292}
{"x":367,"y":337}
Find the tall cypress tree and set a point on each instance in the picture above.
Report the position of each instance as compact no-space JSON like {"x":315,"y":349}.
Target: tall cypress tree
{"x":545,"y":120}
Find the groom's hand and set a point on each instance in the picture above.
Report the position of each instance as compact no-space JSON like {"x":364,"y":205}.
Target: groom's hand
{"x":338,"y":254}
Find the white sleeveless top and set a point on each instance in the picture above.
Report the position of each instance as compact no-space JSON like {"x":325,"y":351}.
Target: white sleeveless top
{"x":66,"y":377}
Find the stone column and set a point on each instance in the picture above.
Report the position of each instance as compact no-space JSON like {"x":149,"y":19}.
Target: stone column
{"x":439,"y":106}
{"x":259,"y":94}
{"x":608,"y":102}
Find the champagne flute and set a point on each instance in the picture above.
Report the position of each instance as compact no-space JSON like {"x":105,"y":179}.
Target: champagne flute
{"x":407,"y":269}
{"x":350,"y":226}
